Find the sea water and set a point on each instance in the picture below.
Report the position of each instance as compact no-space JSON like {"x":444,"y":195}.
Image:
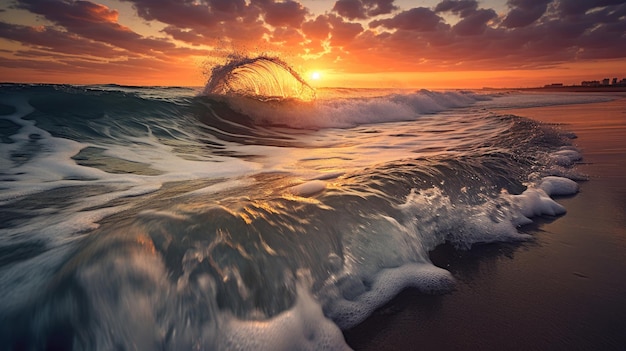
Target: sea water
{"x":248,"y":216}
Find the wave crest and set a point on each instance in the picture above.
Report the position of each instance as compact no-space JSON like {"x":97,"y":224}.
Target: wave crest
{"x":261,"y":78}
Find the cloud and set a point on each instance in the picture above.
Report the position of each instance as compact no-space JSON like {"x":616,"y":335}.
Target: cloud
{"x":217,"y":22}
{"x":363,"y":9}
{"x":49,"y":39}
{"x":524,"y":12}
{"x":351,"y":9}
{"x":463,"y":8}
{"x":193,"y":14}
{"x":419,"y":19}
{"x":318,"y":29}
{"x":343,"y":32}
{"x":578,"y":7}
{"x":420,"y":39}
{"x":277,"y":14}
{"x":473,"y":20}
{"x":99,"y":23}
{"x":474,"y":23}
{"x":333,"y":28}
{"x":211,"y":21}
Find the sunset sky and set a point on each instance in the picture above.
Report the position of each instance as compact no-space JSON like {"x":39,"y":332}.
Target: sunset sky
{"x":354,"y":43}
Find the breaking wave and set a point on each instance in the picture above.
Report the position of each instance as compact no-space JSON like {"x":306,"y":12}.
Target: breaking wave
{"x":261,"y":78}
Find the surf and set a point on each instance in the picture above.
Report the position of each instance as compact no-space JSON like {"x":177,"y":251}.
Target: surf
{"x":217,"y":219}
{"x":262,"y":78}
{"x":267,"y":91}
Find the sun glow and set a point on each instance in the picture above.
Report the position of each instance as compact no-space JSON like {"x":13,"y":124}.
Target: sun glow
{"x":315,"y":75}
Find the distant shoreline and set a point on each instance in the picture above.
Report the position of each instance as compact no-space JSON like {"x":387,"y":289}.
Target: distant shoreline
{"x":570,"y":89}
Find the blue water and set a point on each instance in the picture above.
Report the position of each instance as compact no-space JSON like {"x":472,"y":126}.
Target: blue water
{"x":180,"y":218}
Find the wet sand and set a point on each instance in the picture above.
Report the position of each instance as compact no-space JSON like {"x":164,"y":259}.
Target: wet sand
{"x":565,"y":290}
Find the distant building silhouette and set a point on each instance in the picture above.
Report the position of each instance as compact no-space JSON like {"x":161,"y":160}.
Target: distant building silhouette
{"x":590,"y":83}
{"x":606,"y":82}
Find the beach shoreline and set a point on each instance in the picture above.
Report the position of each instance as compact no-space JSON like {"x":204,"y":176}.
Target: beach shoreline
{"x":561,"y":291}
{"x":568,"y":89}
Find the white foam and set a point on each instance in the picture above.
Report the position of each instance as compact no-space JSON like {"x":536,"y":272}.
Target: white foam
{"x":343,"y":113}
{"x":302,"y":327}
{"x":555,"y":186}
{"x":431,"y":220}
{"x":483,"y":228}
{"x":157,"y":306}
{"x":328,"y":175}
{"x":386,"y":284}
{"x":537,"y":201}
{"x":309,"y":188}
{"x":565,"y":157}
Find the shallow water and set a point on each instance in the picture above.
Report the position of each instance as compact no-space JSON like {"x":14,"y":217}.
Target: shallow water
{"x":559,"y":291}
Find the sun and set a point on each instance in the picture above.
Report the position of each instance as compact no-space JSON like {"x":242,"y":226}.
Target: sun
{"x":316,"y":76}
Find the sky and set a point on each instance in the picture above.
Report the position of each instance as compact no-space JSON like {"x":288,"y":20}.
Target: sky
{"x":349,"y":43}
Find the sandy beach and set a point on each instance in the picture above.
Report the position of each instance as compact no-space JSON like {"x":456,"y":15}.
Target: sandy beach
{"x":565,"y":290}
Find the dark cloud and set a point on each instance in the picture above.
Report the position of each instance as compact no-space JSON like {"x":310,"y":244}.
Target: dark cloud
{"x":192,"y":14}
{"x":204,"y":22}
{"x":343,"y":32}
{"x":288,"y":13}
{"x":580,"y":7}
{"x":332,"y":27}
{"x":534,"y":34}
{"x":350,"y":9}
{"x":420,"y":38}
{"x":187,"y":35}
{"x":474,"y":23}
{"x":462,"y":8}
{"x":525,"y":12}
{"x":419,"y":19}
{"x":99,"y":23}
{"x":473,"y":20}
{"x":213,"y":21}
{"x":319,"y":28}
{"x":528,"y":4}
{"x":362,"y":9}
{"x":50,"y":39}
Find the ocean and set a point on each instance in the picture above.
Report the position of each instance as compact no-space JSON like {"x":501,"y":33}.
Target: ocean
{"x":255,"y":213}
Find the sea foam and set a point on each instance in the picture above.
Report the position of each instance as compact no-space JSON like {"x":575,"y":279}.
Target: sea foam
{"x":350,"y":112}
{"x":303,"y":327}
